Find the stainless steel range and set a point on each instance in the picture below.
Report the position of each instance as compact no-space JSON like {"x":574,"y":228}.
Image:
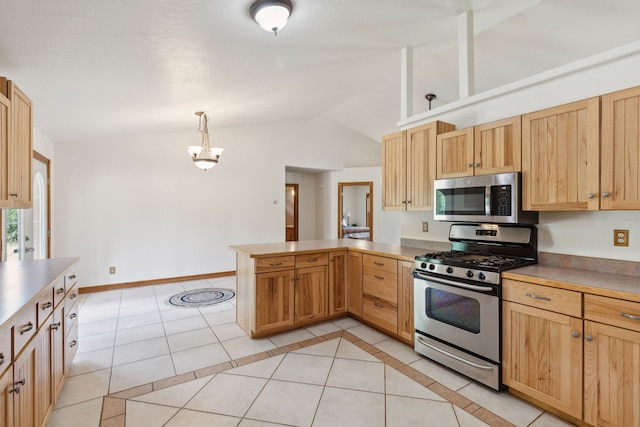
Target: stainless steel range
{"x":457,"y":297}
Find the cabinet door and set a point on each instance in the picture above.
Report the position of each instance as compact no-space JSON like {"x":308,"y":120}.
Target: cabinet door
{"x":561,"y":157}
{"x":274,"y":300}
{"x":421,"y":167}
{"x":405,"y":300}
{"x":43,"y":388}
{"x":455,"y":154}
{"x":620,"y":163}
{"x":310,"y":294}
{"x":337,"y":282}
{"x":542,"y":354}
{"x":394,"y":172}
{"x":6,"y":399}
{"x":498,"y":147}
{"x":20,"y":150}
{"x":57,"y":351}
{"x":354,"y":271}
{"x":611,"y":375}
{"x":4,"y":149}
{"x":24,"y":376}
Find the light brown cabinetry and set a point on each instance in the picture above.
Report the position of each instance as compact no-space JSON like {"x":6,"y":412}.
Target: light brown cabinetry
{"x":542,"y":344}
{"x":409,"y":167}
{"x":337,"y":282}
{"x":310,"y":294}
{"x":611,"y":361}
{"x":561,"y":157}
{"x":380,"y":292}
{"x":6,"y":398}
{"x":406,"y":329}
{"x":481,"y":150}
{"x":16,"y":160}
{"x":620,"y":162}
{"x":354,"y":272}
{"x":274,"y":301}
{"x":24,"y":386}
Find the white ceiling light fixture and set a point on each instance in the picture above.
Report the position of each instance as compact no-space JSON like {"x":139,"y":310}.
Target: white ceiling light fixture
{"x":203,"y":155}
{"x":271,"y":15}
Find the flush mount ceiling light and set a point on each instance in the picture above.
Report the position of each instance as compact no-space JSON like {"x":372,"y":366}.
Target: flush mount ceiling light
{"x":203,"y":155}
{"x":271,"y":15}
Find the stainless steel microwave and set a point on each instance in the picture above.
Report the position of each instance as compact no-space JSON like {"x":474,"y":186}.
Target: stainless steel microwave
{"x":486,"y":198}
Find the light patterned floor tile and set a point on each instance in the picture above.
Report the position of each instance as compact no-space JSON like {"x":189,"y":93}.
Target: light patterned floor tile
{"x":348,"y":350}
{"x":286,"y":403}
{"x":304,"y":368}
{"x":408,"y":411}
{"x":97,"y":342}
{"x":399,"y":384}
{"x":179,"y":313}
{"x":140,"y":414}
{"x":444,"y":376}
{"x":323,"y":328}
{"x":401,"y":351}
{"x":261,"y":369}
{"x":286,"y":338}
{"x":188,"y":418}
{"x":139,"y":320}
{"x":350,"y":408}
{"x":126,"y":336}
{"x":142,"y":372}
{"x":80,"y":415}
{"x":548,"y":420}
{"x":191,"y":339}
{"x":91,"y":361}
{"x":346,"y":323}
{"x":245,"y":346}
{"x":199,"y":357}
{"x":327,"y":348}
{"x":228,"y":331}
{"x":368,"y":334}
{"x":95,"y":328}
{"x":465,"y":419}
{"x":357,"y":375}
{"x":186,"y":324}
{"x":227,"y":394}
{"x":140,"y":350}
{"x":177,"y":395}
{"x":82,"y":388}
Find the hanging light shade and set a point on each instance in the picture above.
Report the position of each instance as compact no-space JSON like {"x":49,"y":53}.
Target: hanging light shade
{"x":271,"y":15}
{"x":203,"y":155}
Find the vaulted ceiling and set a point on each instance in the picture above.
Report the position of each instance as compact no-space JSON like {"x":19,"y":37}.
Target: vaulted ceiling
{"x":97,"y":69}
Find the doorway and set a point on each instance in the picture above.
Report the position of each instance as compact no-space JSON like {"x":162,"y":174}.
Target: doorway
{"x":355,"y":216}
{"x":26,"y":233}
{"x":291,"y":217}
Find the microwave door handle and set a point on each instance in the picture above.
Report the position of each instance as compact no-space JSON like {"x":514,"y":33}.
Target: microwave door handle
{"x":487,"y":200}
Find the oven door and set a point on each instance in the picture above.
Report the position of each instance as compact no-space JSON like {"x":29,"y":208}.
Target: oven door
{"x":463,"y":315}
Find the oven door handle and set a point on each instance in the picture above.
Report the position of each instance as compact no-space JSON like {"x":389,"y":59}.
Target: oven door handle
{"x":453,"y":356}
{"x":452,"y":283}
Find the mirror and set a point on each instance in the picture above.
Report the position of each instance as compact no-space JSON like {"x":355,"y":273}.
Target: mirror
{"x":355,"y":217}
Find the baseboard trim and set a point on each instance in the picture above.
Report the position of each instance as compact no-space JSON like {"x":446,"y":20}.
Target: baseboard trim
{"x":99,"y":288}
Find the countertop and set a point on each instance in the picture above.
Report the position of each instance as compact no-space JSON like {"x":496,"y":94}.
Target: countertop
{"x":592,"y":282}
{"x":21,"y":281}
{"x":262,"y":250}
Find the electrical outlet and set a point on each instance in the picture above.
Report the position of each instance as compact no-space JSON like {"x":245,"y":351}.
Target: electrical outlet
{"x":620,"y":237}
{"x":112,"y":270}
{"x":425,"y":227}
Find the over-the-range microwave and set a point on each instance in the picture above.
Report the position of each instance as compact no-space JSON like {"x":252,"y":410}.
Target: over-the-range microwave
{"x":485,"y":198}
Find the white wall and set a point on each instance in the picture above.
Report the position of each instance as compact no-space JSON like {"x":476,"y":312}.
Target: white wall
{"x":138,"y":203}
{"x":43,"y":145}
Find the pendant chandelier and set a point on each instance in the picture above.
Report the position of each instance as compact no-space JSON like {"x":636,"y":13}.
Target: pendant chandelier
{"x":203,"y":155}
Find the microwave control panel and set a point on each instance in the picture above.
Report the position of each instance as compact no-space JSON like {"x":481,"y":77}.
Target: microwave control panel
{"x":501,"y":200}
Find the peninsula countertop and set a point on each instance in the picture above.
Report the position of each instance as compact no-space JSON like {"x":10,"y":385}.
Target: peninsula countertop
{"x":261,"y":250}
{"x":21,"y":281}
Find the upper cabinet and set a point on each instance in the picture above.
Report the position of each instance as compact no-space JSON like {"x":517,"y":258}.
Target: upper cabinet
{"x":561,"y":157}
{"x":409,"y":167}
{"x":620,"y":162}
{"x":16,"y":146}
{"x":482,"y":150}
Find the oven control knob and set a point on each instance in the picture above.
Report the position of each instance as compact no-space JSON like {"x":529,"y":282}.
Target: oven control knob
{"x":481,"y":276}
{"x":432,"y":266}
{"x":449,"y":270}
{"x":469,"y":273}
{"x":423,"y":265}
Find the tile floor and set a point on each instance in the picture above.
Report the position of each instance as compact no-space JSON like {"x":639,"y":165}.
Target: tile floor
{"x":142,"y":362}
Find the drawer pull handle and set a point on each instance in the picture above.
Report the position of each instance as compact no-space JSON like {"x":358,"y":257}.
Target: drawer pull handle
{"x":377,"y":304}
{"x":59,"y":291}
{"x":46,"y":305}
{"x":312,"y":260}
{"x":1,"y":358}
{"x":534,"y":296}
{"x":275,"y":264}
{"x":379,"y":263}
{"x":73,"y":276}
{"x":588,"y":338}
{"x":15,"y":390}
{"x":21,"y":382}
{"x":73,"y":296}
{"x":73,"y":316}
{"x":378,"y":277}
{"x":14,"y":194}
{"x":630,"y":316}
{"x":73,"y":343}
{"x":26,"y":328}
{"x":575,"y":334}
{"x":55,"y":326}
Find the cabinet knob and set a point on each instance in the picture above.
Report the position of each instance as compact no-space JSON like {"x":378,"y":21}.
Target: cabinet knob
{"x":575,"y":334}
{"x":591,"y":195}
{"x":1,"y":358}
{"x":606,"y":194}
{"x":14,"y":194}
{"x":55,"y":326}
{"x":588,"y":338}
{"x":475,"y":165}
{"x":469,"y":165}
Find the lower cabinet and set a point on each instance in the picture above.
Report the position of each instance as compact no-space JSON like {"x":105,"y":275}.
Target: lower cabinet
{"x":57,"y":351}
{"x":6,"y":398}
{"x":406,"y":330}
{"x":337,"y":282}
{"x":24,"y":386}
{"x":354,"y":274}
{"x":310,"y":292}
{"x":274,"y":301}
{"x":43,"y":389}
{"x":380,"y":292}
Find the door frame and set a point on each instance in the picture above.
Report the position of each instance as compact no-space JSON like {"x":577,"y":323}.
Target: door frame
{"x":369,"y":202}
{"x":47,"y":162}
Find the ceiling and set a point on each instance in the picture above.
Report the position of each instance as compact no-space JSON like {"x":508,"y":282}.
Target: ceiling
{"x":97,"y":69}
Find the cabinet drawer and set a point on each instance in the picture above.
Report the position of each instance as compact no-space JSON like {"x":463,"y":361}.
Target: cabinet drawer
{"x":24,"y":328}
{"x":312,"y":260}
{"x":544,"y":297}
{"x":45,"y":304}
{"x":58,"y":291}
{"x":70,"y":347}
{"x":380,"y":284}
{"x":380,"y":263}
{"x":612,"y":311}
{"x":380,"y":312}
{"x":276,"y":263}
{"x":70,"y":314}
{"x":5,"y":348}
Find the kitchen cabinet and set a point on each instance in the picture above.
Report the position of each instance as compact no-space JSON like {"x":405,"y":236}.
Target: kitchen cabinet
{"x":380,"y":292}
{"x":542,"y":344}
{"x":57,"y":351}
{"x":337,"y":282}
{"x":43,"y":375}
{"x":17,"y":149}
{"x":482,"y":150}
{"x":6,"y":398}
{"x":611,"y":361}
{"x":561,"y":157}
{"x":354,"y":271}
{"x":620,"y":150}
{"x":24,"y":386}
{"x":406,"y":330}
{"x":274,"y":301}
{"x":409,"y":167}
